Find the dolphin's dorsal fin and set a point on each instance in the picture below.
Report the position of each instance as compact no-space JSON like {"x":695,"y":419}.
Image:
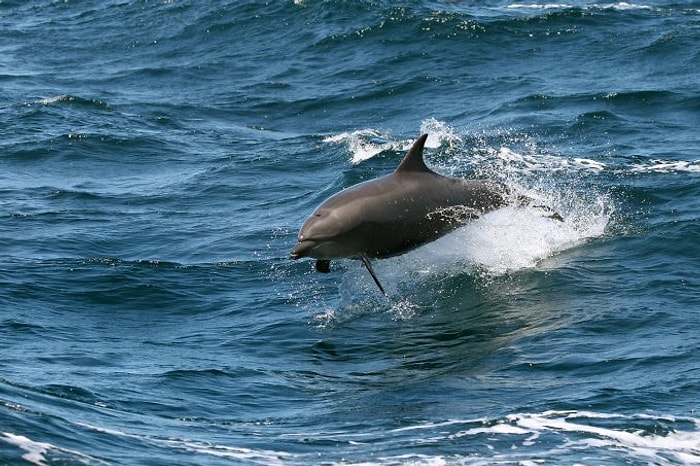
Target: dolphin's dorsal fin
{"x":413,"y":161}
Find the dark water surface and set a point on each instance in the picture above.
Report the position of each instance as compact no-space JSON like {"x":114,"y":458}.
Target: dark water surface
{"x":158,"y":158}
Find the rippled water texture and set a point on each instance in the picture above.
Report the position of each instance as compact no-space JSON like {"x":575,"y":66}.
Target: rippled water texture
{"x":158,"y":159}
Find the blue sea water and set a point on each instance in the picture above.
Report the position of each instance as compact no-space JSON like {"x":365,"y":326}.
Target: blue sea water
{"x":158,"y":158}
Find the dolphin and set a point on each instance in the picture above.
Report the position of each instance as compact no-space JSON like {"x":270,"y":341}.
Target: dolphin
{"x":394,"y":214}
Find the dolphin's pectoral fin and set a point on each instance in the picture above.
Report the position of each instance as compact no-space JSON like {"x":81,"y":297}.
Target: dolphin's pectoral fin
{"x":368,"y":265}
{"x":323,"y":265}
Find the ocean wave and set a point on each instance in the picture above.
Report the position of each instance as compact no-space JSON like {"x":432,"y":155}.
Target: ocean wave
{"x":532,"y":437}
{"x":524,"y":438}
{"x":667,"y":166}
{"x":43,"y":453}
{"x":622,"y":6}
{"x":207,"y":448}
{"x":159,"y":158}
{"x":503,"y":153}
{"x":72,"y":100}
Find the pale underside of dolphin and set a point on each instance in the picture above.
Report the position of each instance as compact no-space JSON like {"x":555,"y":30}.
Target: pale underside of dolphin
{"x":394,"y":214}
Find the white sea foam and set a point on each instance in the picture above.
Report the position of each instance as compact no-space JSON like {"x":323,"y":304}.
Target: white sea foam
{"x":625,"y":6}
{"x":531,"y":438}
{"x":622,"y":6}
{"x":518,"y":438}
{"x":35,"y":451}
{"x":538,"y":6}
{"x":248,"y":455}
{"x":41,"y":453}
{"x":668,"y":166}
{"x":676,"y":446}
{"x":202,"y":447}
{"x":365,"y":143}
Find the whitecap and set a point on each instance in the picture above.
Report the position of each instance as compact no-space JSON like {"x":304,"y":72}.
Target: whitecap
{"x":667,"y":166}
{"x":439,"y":133}
{"x":364,"y":144}
{"x":38,"y":452}
{"x":531,"y":438}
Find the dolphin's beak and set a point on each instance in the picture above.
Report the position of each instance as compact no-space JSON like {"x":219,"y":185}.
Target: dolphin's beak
{"x":303,"y":248}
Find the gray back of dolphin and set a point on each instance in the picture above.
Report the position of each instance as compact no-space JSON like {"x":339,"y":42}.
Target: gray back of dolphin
{"x":394,"y":214}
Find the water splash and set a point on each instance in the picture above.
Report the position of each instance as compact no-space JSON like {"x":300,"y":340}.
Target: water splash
{"x":511,"y":239}
{"x":504,"y":241}
{"x":365,"y":143}
{"x":439,"y":134}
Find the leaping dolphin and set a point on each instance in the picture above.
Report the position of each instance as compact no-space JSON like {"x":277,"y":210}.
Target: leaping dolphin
{"x":394,"y":214}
